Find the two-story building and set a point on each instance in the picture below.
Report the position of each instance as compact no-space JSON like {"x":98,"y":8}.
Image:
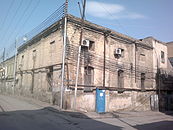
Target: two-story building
{"x":118,"y":64}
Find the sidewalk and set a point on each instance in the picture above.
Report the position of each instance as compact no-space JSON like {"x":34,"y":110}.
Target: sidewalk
{"x":93,"y":115}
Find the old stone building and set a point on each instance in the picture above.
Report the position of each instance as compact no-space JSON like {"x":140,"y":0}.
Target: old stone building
{"x":7,"y":75}
{"x":164,"y":71}
{"x":128,"y":68}
{"x":123,"y":67}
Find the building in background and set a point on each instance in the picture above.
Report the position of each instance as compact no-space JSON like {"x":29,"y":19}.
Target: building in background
{"x":170,"y":52}
{"x":164,"y":70}
{"x":7,"y":75}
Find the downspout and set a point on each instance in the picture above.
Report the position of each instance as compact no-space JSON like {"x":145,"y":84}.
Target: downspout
{"x":104,"y":61}
{"x":135,"y":60}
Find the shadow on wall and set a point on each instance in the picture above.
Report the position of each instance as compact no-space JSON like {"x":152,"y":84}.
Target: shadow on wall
{"x":162,"y":125}
{"x":50,"y":119}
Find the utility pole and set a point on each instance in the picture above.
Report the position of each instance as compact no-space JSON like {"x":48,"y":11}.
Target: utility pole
{"x":3,"y":55}
{"x":79,"y":53}
{"x":3,"y":58}
{"x":63,"y":55}
{"x":15,"y":64}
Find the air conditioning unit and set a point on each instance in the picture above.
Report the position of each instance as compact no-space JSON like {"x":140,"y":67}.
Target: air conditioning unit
{"x":86,"y":43}
{"x":118,"y":51}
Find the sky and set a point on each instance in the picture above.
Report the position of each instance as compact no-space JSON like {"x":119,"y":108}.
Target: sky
{"x":136,"y":18}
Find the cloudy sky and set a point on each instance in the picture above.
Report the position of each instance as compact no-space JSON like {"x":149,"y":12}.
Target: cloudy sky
{"x":136,"y":18}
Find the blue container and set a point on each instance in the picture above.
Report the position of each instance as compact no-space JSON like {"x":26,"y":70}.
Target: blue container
{"x":100,"y":100}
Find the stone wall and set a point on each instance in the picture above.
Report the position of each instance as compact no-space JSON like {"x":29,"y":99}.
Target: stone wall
{"x":40,"y":61}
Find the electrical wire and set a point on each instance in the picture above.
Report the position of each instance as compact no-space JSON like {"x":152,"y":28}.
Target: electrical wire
{"x":8,"y":11}
{"x":115,"y":20}
{"x":12,"y":19}
{"x":19,"y":20}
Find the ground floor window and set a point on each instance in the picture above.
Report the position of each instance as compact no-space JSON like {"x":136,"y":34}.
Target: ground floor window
{"x":50,"y":77}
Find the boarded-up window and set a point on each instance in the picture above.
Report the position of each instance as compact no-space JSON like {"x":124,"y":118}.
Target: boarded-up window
{"x":120,"y":78}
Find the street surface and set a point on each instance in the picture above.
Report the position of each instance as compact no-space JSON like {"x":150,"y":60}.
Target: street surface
{"x":20,"y":114}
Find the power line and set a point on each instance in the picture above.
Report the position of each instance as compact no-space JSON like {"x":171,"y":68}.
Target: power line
{"x":11,"y":47}
{"x":20,"y":19}
{"x":57,"y":15}
{"x":115,"y":20}
{"x":6,"y":15}
{"x":12,"y":19}
{"x":27,"y":19}
{"x":47,"y":22}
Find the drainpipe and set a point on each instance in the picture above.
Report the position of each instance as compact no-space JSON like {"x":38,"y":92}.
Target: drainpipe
{"x":104,"y":61}
{"x":106,"y":34}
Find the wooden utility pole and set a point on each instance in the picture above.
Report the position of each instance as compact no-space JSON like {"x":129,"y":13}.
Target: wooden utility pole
{"x":79,"y":53}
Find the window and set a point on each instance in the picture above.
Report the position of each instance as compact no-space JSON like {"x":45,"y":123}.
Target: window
{"x":143,"y":81}
{"x":88,"y":45}
{"x":50,"y":77}
{"x":34,"y":54}
{"x":142,"y":57}
{"x":52,"y":42}
{"x":120,"y":78}
{"x":92,"y":46}
{"x":119,"y":52}
{"x":89,"y":76}
{"x":22,"y":62}
{"x":162,"y":57}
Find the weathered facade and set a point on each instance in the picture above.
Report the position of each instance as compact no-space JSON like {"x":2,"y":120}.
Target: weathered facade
{"x":128,"y":76}
{"x":7,"y":75}
{"x":164,"y":70}
{"x":116,"y":63}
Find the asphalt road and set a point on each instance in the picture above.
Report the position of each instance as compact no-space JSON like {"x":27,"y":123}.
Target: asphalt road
{"x":17,"y":114}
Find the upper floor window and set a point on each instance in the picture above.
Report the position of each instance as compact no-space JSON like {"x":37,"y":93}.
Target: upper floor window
{"x":162,"y":57}
{"x":34,"y":53}
{"x":88,"y":45}
{"x":119,"y":52}
{"x":120,"y":78}
{"x":52,"y":42}
{"x":89,"y":75}
{"x":142,"y":81}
